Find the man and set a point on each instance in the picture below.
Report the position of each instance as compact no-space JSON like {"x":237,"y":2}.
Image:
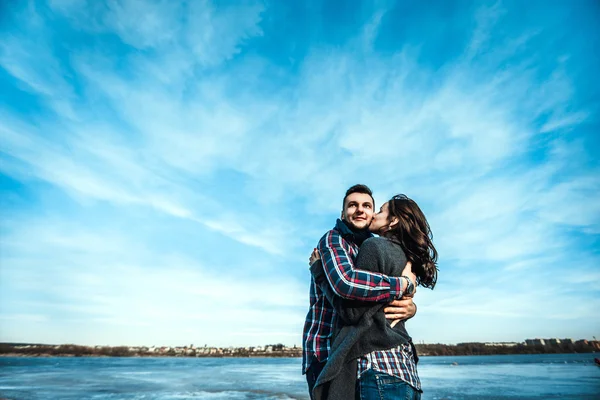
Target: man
{"x":338,"y":249}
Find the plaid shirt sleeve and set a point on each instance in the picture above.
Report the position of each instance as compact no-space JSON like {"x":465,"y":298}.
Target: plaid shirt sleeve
{"x":351,"y":283}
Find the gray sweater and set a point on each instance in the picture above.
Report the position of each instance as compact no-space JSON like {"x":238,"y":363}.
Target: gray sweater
{"x":362,"y":326}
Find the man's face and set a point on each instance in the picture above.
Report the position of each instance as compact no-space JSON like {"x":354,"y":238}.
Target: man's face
{"x":358,"y":210}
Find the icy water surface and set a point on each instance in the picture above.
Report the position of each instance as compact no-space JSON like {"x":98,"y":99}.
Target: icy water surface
{"x":549,"y":376}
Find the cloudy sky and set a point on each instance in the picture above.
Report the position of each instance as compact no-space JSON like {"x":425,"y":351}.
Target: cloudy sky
{"x":166,"y":167}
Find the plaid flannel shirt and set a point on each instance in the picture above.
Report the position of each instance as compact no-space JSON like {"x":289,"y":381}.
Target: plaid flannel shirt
{"x":400,"y":362}
{"x":338,"y":250}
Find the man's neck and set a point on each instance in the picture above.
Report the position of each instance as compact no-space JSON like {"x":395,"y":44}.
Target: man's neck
{"x":360,"y":235}
{"x":356,"y":230}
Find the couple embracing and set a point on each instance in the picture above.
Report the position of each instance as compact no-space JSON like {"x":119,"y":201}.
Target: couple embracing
{"x":355,"y":344}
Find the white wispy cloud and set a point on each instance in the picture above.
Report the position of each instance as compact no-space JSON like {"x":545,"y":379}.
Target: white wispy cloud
{"x":89,"y":278}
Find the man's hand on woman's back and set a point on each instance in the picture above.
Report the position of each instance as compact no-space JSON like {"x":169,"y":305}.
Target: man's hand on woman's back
{"x":401,"y":309}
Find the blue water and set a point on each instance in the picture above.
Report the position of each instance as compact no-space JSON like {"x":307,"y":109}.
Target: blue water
{"x":548,"y":376}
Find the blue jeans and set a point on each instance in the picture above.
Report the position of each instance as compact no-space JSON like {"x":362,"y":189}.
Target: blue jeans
{"x":374,"y":385}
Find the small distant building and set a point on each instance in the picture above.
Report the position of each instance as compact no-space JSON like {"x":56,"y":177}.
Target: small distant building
{"x":535,"y":342}
{"x":567,"y":341}
{"x":502,"y":344}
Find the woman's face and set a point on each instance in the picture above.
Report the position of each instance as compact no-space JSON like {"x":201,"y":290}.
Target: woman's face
{"x":380,"y":223}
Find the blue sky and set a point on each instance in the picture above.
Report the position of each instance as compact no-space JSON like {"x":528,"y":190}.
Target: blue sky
{"x":166,"y":168}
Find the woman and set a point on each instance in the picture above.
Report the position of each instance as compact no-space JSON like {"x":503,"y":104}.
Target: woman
{"x":365,"y":345}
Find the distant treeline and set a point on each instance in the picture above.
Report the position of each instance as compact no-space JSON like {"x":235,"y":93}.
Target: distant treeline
{"x":460,"y":349}
{"x":65,"y":349}
{"x":475,"y":349}
{"x":34,"y":350}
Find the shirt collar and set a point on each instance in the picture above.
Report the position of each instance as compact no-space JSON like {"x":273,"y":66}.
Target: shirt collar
{"x":342,"y":228}
{"x":348,"y":234}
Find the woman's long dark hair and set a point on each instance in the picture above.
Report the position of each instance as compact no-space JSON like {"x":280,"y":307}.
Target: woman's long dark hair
{"x":414,"y":235}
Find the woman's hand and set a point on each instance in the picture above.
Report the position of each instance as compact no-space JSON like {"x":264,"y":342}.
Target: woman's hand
{"x":407,"y":271}
{"x":315,"y":256}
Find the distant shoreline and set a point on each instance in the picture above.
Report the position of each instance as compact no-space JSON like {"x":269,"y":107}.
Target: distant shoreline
{"x":43,"y":355}
{"x":281,"y":351}
{"x":18,"y":355}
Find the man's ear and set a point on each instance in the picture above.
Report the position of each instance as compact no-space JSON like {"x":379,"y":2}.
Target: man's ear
{"x":342,"y":215}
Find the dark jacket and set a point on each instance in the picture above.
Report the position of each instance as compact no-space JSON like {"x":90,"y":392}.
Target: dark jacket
{"x":362,"y":326}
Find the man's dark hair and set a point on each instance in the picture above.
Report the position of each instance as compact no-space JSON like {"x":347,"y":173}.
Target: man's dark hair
{"x":358,"y":189}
